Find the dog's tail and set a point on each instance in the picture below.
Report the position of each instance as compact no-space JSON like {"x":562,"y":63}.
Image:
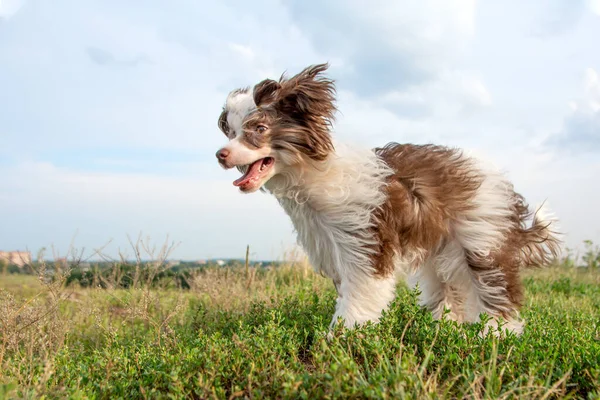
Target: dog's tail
{"x":541,"y":243}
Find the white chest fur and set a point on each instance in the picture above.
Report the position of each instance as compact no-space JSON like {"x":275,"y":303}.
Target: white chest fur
{"x":332,"y":212}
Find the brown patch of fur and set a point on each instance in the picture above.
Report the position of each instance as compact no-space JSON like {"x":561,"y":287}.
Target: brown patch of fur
{"x":433,"y":186}
{"x":430,"y":186}
{"x":265,"y":91}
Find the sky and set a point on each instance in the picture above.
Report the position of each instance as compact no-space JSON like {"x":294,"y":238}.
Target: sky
{"x":108,"y":109}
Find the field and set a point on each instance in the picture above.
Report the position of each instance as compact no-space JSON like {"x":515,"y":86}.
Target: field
{"x":262,"y":333}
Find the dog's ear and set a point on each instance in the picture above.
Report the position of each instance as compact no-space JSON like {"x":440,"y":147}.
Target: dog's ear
{"x":308,"y":95}
{"x":308,"y":99}
{"x":265,"y":92}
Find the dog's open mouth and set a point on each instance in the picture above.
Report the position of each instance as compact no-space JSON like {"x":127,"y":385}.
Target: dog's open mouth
{"x":254,"y":173}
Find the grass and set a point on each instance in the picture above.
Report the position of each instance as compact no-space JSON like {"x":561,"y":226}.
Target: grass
{"x":262,"y":334}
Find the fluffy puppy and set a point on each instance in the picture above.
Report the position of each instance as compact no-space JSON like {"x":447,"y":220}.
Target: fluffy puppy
{"x":458,"y":230}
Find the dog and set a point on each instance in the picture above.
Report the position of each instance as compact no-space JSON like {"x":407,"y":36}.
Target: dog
{"x":456,"y":228}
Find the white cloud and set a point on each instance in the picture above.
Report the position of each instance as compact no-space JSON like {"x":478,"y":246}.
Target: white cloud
{"x":8,"y":8}
{"x":591,"y":85}
{"x":594,"y":6}
{"x":581,"y":129}
{"x":392,"y":45}
{"x":453,"y":93}
{"x":244,"y":51}
{"x":399,"y":56}
{"x":558,"y":17}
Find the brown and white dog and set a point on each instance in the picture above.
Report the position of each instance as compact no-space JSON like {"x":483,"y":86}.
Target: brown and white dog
{"x":458,"y":230}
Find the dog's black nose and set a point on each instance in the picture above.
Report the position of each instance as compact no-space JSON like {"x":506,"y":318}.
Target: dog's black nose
{"x":222,"y":154}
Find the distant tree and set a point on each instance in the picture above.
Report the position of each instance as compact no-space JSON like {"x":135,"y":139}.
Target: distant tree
{"x":591,"y":258}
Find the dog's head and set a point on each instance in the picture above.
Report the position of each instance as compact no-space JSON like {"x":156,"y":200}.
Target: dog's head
{"x":277,"y":126}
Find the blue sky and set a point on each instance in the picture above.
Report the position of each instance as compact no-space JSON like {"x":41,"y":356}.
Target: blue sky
{"x":109,"y":108}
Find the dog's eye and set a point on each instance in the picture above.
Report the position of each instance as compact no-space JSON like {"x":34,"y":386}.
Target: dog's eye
{"x":261,"y":129}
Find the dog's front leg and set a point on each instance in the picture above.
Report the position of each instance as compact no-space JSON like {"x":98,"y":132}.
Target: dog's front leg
{"x":362,"y":298}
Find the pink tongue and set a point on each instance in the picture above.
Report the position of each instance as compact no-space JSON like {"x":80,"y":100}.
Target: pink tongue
{"x":253,"y":171}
